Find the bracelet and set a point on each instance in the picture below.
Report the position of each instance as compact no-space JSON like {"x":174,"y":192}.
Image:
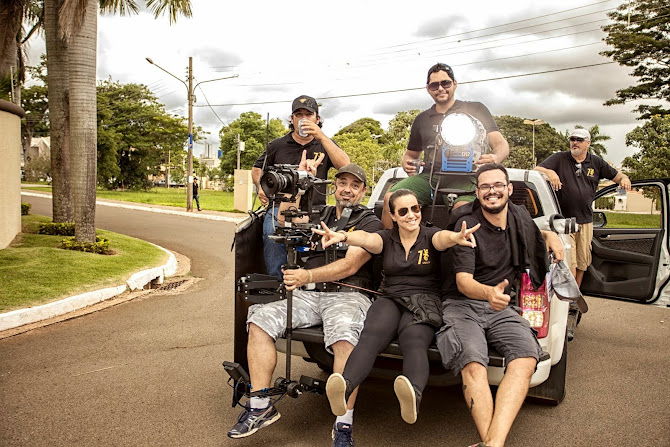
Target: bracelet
{"x":311,"y":280}
{"x":346,"y":236}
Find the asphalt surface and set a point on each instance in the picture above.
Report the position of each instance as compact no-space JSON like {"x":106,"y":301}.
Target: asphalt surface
{"x":148,"y":372}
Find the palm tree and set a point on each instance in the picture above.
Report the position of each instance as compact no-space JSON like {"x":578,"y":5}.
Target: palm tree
{"x":72,"y":28}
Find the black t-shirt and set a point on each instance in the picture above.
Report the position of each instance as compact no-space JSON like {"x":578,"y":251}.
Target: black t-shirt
{"x":422,"y":135}
{"x":490,"y":262}
{"x":419,"y":272}
{"x":287,"y":151}
{"x":369,"y":222}
{"x":577,"y":192}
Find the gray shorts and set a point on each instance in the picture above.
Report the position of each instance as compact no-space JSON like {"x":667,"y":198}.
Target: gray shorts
{"x":470,"y":326}
{"x":341,"y":313}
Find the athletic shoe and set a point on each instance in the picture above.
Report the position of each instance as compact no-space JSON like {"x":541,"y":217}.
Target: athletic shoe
{"x":253,"y":419}
{"x":336,"y":390}
{"x":342,"y":435}
{"x":407,"y":398}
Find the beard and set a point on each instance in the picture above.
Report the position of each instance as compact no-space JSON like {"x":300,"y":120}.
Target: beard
{"x":494,"y":209}
{"x":346,"y":203}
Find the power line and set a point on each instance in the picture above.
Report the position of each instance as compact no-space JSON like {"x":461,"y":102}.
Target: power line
{"x":353,"y":95}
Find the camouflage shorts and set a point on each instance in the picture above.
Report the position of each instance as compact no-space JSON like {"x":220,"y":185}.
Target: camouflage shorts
{"x":342,"y":315}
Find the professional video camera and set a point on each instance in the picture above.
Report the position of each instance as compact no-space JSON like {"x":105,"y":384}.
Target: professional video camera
{"x":281,"y":183}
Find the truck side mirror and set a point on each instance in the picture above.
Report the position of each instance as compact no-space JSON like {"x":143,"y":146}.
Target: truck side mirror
{"x":599,"y":219}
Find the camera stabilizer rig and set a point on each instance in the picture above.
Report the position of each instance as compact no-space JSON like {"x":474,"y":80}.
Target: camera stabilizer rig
{"x":283,"y":183}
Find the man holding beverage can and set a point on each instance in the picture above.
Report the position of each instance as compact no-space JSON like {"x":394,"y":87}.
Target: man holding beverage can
{"x":305,"y":139}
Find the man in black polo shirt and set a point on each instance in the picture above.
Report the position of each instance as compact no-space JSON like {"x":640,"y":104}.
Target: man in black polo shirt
{"x":574,"y":176}
{"x":321,"y":153}
{"x":441,"y":86}
{"x":342,"y":312}
{"x":476,"y":303}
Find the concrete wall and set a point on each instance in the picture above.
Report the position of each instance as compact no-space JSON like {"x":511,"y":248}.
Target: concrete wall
{"x":10,"y":172}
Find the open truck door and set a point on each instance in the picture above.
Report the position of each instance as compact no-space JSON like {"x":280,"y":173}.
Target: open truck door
{"x":630,"y":244}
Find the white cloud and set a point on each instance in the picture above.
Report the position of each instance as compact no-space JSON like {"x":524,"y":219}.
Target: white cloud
{"x":281,"y":50}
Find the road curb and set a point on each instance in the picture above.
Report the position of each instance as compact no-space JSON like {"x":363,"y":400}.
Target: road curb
{"x":150,"y":208}
{"x":20,"y":317}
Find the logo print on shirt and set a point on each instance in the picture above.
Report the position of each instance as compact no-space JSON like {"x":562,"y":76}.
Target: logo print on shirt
{"x":423,"y":257}
{"x":317,"y":155}
{"x":590,"y":172}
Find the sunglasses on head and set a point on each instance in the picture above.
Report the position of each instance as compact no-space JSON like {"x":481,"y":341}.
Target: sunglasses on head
{"x":580,"y":140}
{"x":434,"y":86}
{"x":416,"y":209}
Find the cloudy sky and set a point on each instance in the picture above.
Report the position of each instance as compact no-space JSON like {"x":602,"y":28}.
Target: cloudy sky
{"x":369,"y":59}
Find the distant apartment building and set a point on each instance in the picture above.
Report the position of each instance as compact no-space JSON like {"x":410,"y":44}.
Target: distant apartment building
{"x":211,"y":156}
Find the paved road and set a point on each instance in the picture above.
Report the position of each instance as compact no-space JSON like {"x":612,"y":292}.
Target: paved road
{"x":148,"y":372}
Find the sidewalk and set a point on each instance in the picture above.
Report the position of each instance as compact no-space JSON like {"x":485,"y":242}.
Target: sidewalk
{"x":137,"y":281}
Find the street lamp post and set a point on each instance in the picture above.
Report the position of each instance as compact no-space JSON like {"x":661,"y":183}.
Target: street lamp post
{"x":191,"y":99}
{"x":533,"y":123}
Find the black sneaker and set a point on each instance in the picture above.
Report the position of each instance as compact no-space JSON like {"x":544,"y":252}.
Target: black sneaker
{"x":253,"y":419}
{"x":342,"y":435}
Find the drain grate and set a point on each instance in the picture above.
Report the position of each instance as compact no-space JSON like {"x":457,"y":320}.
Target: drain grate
{"x":172,"y":285}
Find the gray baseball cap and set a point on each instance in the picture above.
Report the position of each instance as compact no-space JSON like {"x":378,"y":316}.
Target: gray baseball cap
{"x":354,"y":170}
{"x":566,"y":287}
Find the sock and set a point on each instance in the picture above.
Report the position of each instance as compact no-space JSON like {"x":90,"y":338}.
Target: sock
{"x":346,"y":418}
{"x":259,"y":402}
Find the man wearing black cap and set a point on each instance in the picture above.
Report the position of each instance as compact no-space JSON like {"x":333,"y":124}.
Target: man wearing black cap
{"x":441,"y":86}
{"x":321,"y":154}
{"x":340,"y":309}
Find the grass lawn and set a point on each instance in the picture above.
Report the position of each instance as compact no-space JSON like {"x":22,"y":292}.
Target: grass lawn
{"x":34,"y":271}
{"x":627,"y":220}
{"x":209,"y":200}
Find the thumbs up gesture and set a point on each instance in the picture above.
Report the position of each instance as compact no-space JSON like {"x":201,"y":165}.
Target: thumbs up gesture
{"x":497,"y":297}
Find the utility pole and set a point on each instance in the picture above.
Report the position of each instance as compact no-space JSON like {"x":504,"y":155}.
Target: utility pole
{"x":189,"y":164}
{"x":191,"y":99}
{"x":240,"y":148}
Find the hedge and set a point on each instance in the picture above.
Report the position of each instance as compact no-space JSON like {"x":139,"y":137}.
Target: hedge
{"x":25,"y":208}
{"x":57,"y":229}
{"x":101,"y":245}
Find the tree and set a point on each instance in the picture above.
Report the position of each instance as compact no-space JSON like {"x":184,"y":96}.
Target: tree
{"x":34,"y":102}
{"x":251,"y":128}
{"x":640,"y":36}
{"x":362,"y":142}
{"x":519,"y":136}
{"x":653,"y":141}
{"x":397,"y":136}
{"x":135,"y":135}
{"x":73,"y":32}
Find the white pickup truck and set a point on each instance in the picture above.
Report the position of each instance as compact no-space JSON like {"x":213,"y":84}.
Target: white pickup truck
{"x":628,"y":263}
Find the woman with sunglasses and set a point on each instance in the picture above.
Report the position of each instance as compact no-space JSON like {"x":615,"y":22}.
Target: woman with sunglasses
{"x":409,"y":307}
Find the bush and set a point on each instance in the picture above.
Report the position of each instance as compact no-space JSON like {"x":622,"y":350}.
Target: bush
{"x":101,"y":245}
{"x":25,"y":208}
{"x":57,"y":229}
{"x":605,"y":203}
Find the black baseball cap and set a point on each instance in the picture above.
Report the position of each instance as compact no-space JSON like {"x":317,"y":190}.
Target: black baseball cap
{"x":354,"y":170}
{"x":305,"y":102}
{"x":440,"y":67}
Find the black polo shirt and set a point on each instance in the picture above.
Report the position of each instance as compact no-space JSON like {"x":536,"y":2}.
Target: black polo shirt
{"x":490,"y":262}
{"x":419,"y":272}
{"x":369,"y":223}
{"x":578,"y":191}
{"x":287,"y":151}
{"x":422,"y":135}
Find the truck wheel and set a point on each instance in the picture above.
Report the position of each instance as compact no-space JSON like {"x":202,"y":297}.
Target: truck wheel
{"x":552,"y":391}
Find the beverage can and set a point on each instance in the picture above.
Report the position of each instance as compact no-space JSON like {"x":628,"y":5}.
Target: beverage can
{"x":301,"y":132}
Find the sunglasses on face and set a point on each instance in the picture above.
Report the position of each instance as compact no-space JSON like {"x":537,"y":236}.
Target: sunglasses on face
{"x":578,"y":169}
{"x":434,"y":86}
{"x":580,"y":140}
{"x":416,"y":209}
